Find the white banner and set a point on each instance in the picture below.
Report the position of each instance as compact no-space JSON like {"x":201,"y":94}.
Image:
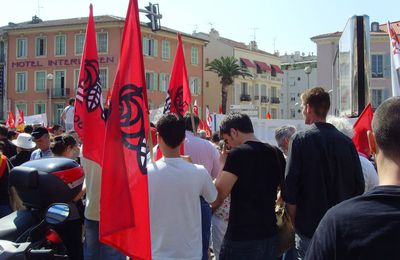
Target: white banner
{"x":40,"y":119}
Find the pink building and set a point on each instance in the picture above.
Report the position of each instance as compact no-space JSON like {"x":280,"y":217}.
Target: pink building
{"x":40,"y":61}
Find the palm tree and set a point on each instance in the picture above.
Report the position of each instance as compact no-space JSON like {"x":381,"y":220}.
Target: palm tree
{"x":227,"y":69}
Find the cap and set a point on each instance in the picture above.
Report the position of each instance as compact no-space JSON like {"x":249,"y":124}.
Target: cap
{"x":39,"y":132}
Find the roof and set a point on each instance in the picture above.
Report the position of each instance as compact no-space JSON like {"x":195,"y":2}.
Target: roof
{"x":80,"y":21}
{"x":241,"y":45}
{"x":382,"y":31}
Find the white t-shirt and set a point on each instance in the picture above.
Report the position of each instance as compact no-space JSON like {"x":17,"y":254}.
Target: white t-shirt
{"x":93,"y":185}
{"x":370,"y":176}
{"x":175,"y":187}
{"x":69,"y":114}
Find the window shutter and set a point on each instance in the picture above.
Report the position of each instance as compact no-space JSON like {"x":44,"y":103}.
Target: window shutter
{"x":386,"y":66}
{"x":154,"y":87}
{"x":199,"y":86}
{"x":145,"y":46}
{"x":155,"y":48}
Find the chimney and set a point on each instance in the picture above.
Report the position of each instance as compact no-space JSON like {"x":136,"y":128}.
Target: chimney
{"x":253,"y":45}
{"x":214,"y":33}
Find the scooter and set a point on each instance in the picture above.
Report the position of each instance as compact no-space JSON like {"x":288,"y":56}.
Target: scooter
{"x":42,"y":241}
{"x":39,"y":184}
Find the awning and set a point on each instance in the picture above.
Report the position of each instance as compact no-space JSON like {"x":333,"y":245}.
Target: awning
{"x":277,"y":69}
{"x":262,"y":65}
{"x":248,"y":63}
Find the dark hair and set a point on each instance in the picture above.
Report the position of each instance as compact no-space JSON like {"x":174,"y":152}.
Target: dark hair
{"x":11,"y":134}
{"x":55,"y":128}
{"x":61,"y":143}
{"x":152,"y":124}
{"x":215,"y":137}
{"x":28,"y":129}
{"x":318,"y":100}
{"x":71,"y":101}
{"x":171,"y":129}
{"x":188,"y":122}
{"x":385,"y":124}
{"x":3,"y":130}
{"x":237,"y":121}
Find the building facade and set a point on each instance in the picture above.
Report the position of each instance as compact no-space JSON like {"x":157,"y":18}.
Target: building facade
{"x":300,"y":75}
{"x":380,"y":74}
{"x":256,"y":96}
{"x":42,"y":61}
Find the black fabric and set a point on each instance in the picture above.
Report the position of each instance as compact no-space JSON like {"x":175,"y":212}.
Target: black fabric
{"x":4,"y":194}
{"x":20,"y":158}
{"x":252,"y":215}
{"x":10,"y":149}
{"x":364,"y":227}
{"x":323,"y":169}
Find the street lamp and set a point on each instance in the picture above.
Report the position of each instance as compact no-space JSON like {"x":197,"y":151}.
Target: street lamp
{"x":307,"y":70}
{"x":50,"y":78}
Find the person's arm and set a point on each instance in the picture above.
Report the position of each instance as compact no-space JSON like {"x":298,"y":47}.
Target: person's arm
{"x":63,"y":115}
{"x":224,"y":184}
{"x":216,"y":164}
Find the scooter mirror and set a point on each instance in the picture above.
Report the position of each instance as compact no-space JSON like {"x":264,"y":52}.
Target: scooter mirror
{"x":57,"y":213}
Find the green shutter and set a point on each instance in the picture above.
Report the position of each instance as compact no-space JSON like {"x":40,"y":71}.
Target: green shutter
{"x":155,"y":48}
{"x":145,"y":46}
{"x":154,"y":87}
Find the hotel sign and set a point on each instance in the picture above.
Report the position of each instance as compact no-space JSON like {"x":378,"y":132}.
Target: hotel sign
{"x":56,"y":62}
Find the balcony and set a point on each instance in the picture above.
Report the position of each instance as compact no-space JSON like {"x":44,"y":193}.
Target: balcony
{"x":275,"y":100}
{"x":245,"y":97}
{"x":2,"y":58}
{"x":264,"y":99}
{"x":58,"y":92}
{"x":256,"y":97}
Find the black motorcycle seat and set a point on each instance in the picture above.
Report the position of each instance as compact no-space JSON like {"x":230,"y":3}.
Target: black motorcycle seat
{"x":14,"y":225}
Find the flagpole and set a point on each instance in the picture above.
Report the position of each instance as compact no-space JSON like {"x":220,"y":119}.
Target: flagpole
{"x":192,"y":119}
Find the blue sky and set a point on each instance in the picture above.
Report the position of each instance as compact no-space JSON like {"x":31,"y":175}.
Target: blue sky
{"x":288,"y":23}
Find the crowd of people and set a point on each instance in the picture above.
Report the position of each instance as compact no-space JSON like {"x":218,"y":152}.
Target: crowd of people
{"x":216,"y":197}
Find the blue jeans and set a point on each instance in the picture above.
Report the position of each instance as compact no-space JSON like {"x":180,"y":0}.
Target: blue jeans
{"x":205,"y":226}
{"x":93,"y":248}
{"x":254,"y":250}
{"x":301,"y":245}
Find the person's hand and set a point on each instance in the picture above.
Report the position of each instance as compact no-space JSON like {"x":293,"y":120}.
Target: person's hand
{"x":222,"y":156}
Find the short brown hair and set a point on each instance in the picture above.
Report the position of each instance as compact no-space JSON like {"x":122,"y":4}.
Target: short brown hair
{"x":317,"y":99}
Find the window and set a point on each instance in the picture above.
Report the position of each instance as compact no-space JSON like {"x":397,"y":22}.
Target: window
{"x":76,"y":78}
{"x":263,"y":90}
{"x":102,"y":42}
{"x":263,"y":112}
{"x":21,"y":48}
{"x":164,"y":82}
{"x":40,"y":80}
{"x":377,"y":66}
{"x":377,"y":97}
{"x":292,"y":81}
{"x":195,"y":55}
{"x":40,"y":108}
{"x":22,"y":107}
{"x":79,"y":41}
{"x":41,"y":46}
{"x":195,"y":86}
{"x":244,"y":88}
{"x":60,"y":45}
{"x":103,"y":75}
{"x":149,"y":47}
{"x":59,"y":83}
{"x":274,"y":113}
{"x":256,"y":92}
{"x":292,"y":113}
{"x":21,"y":79}
{"x":166,"y":49}
{"x":151,"y":80}
{"x":273,"y":92}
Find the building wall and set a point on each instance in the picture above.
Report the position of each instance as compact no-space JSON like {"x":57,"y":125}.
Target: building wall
{"x":70,"y":62}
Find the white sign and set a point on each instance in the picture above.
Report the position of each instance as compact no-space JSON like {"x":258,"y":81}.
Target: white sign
{"x":40,"y":119}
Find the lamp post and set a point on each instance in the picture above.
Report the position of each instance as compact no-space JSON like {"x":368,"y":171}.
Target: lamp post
{"x":50,"y":78}
{"x":307,"y":70}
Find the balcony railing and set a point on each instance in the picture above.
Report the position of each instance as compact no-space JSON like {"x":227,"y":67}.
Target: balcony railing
{"x":58,"y":92}
{"x":275,"y":100}
{"x":245,"y":97}
{"x":264,"y":99}
{"x":256,"y":97}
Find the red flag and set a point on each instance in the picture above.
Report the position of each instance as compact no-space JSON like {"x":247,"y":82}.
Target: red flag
{"x":10,"y":120}
{"x":268,"y":116}
{"x":124,"y":202}
{"x":361,"y":126}
{"x":20,"y":121}
{"x":395,"y":59}
{"x":178,"y":98}
{"x":220,"y":109}
{"x":195,"y":108}
{"x":89,"y":120}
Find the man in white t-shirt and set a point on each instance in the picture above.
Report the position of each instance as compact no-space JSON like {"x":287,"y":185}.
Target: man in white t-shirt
{"x":68,"y":115}
{"x":175,"y":186}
